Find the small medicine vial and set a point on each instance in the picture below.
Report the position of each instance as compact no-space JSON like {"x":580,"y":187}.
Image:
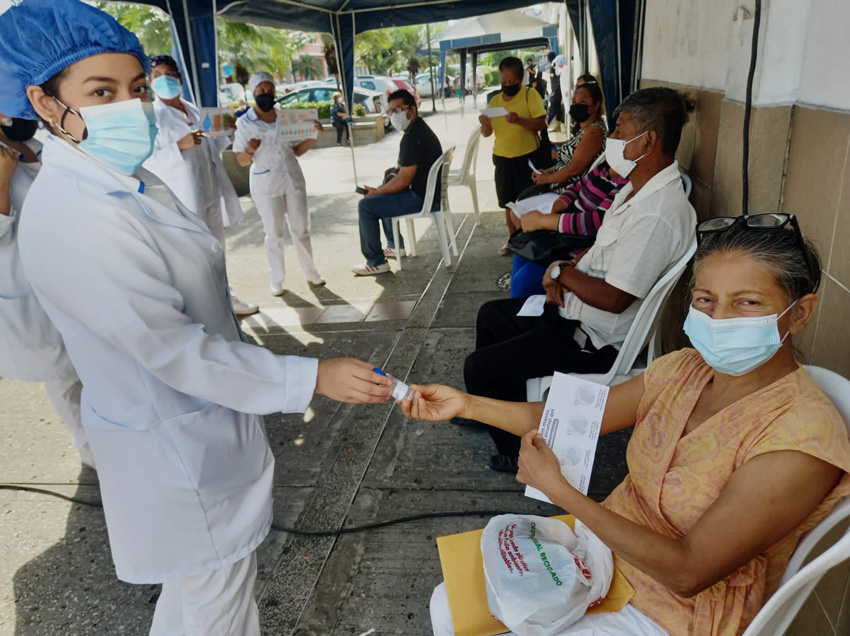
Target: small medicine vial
{"x":400,"y":390}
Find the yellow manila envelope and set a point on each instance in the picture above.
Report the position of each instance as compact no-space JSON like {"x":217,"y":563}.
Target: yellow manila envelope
{"x":463,"y":572}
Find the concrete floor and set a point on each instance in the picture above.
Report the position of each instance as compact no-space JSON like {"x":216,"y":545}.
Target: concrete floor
{"x":338,"y":465}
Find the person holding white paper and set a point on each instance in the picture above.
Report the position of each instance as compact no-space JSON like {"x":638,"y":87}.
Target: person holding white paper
{"x":735,"y":454}
{"x":516,"y":136}
{"x":277,"y":183}
{"x":189,"y":163}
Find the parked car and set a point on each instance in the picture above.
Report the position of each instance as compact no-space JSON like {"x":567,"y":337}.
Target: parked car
{"x":372,"y":101}
{"x":297,"y":86}
{"x":376,"y":83}
{"x":423,"y":84}
{"x":403,"y":84}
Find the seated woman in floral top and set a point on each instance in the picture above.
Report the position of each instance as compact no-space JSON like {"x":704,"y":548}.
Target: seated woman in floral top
{"x":736,"y":452}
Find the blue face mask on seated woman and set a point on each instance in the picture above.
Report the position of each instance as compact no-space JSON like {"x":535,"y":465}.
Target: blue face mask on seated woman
{"x":735,"y":346}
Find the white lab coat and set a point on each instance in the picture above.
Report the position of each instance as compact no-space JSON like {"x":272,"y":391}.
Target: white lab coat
{"x":135,"y":283}
{"x":279,"y":191}
{"x":197,"y":175}
{"x":31,"y":348}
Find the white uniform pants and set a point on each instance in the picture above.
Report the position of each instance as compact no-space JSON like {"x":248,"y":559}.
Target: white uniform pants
{"x":627,"y":622}
{"x":292,"y":207}
{"x":219,"y":603}
{"x":65,"y":395}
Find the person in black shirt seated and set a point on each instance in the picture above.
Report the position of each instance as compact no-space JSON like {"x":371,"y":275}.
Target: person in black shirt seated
{"x":404,"y":193}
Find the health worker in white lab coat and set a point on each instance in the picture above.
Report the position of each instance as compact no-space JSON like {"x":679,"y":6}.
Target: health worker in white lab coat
{"x":30,"y":347}
{"x":189,"y":163}
{"x":277,"y":183}
{"x":173,"y":394}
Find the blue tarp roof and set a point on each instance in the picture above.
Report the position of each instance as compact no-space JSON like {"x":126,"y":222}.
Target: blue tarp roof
{"x":194,"y":26}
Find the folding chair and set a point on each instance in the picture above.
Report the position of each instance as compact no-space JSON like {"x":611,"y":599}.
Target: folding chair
{"x":442,"y":217}
{"x":687,"y":185}
{"x":798,"y":582}
{"x":643,"y":332}
{"x":466,"y":175}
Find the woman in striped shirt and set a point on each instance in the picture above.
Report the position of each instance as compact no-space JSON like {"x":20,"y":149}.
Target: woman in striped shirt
{"x":579,"y":211}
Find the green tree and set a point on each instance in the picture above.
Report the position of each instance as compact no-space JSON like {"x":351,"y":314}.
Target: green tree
{"x":407,"y":42}
{"x":151,"y":26}
{"x":329,"y":51}
{"x":374,"y":50}
{"x":308,"y":66}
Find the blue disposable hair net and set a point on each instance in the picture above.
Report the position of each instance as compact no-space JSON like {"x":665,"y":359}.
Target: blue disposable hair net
{"x":39,"y":38}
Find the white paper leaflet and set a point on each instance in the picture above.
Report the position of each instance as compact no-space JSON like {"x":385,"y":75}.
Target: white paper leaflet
{"x":217,"y":122}
{"x":541,"y":202}
{"x":499,"y":111}
{"x":533,"y":306}
{"x":298,"y":124}
{"x":570,"y":425}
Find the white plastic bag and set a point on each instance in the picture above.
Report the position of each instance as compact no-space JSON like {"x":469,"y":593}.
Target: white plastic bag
{"x":541,"y":577}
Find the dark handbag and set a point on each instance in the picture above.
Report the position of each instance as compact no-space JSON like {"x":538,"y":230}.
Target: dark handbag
{"x":547,"y":246}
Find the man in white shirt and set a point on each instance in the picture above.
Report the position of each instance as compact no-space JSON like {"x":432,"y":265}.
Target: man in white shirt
{"x":593,"y":300}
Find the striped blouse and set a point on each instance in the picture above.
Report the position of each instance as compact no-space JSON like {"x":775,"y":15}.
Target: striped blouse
{"x":588,"y":200}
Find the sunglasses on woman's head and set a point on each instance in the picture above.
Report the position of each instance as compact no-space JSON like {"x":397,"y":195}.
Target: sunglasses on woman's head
{"x":769,"y":221}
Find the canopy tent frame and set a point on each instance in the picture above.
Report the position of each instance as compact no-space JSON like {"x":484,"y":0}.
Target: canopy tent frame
{"x":615,"y":25}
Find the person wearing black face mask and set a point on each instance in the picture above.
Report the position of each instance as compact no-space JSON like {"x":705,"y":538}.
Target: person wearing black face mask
{"x":516,"y":135}
{"x":277,"y":183}
{"x":19,"y":129}
{"x":579,"y":153}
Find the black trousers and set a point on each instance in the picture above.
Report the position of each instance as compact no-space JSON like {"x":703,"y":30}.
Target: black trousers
{"x":339,"y":130}
{"x":556,"y":107}
{"x":510,"y":350}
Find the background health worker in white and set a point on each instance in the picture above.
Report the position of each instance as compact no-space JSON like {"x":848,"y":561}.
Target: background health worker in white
{"x":277,"y":183}
{"x":189,"y":163}
{"x":30,"y":347}
{"x":135,"y":284}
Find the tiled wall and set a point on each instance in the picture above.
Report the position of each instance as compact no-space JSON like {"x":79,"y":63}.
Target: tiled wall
{"x":800,"y":163}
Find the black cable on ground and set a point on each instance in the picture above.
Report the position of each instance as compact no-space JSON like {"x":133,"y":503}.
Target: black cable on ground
{"x":747,"y":108}
{"x":309,"y":533}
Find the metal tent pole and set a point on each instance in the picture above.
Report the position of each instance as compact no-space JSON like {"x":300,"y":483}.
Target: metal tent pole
{"x":348,"y":92}
{"x":431,"y":68}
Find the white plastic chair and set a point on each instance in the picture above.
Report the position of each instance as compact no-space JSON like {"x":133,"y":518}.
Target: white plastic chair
{"x":442,"y":217}
{"x":796,"y":585}
{"x":466,"y":175}
{"x":643,"y":332}
{"x":687,"y":184}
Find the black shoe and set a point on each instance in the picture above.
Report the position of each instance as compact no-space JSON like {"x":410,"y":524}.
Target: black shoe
{"x":465,"y":421}
{"x":504,"y":464}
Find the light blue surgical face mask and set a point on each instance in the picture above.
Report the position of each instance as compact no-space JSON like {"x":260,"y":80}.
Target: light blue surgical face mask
{"x":615,"y":155}
{"x":119,"y":134}
{"x":734,"y":346}
{"x":166,"y":87}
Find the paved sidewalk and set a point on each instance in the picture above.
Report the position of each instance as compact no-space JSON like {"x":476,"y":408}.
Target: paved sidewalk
{"x":338,"y":465}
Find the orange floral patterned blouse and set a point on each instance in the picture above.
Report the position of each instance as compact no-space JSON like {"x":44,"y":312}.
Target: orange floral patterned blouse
{"x":673,"y":479}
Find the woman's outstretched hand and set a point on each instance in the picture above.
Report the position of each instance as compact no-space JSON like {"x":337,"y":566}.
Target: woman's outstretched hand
{"x":350,"y":380}
{"x":434,"y":402}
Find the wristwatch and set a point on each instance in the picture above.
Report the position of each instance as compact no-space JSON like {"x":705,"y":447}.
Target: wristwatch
{"x":556,"y":272}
